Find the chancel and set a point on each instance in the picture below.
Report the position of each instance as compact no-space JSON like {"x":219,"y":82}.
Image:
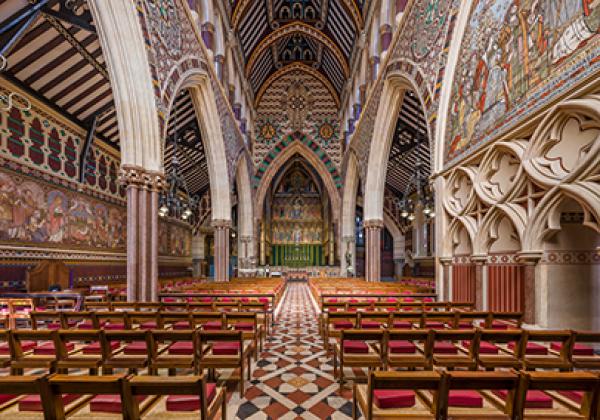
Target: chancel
{"x":300,"y":209}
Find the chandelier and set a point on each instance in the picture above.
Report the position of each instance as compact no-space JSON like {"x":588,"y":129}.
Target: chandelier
{"x":176,"y":200}
{"x":417,"y":192}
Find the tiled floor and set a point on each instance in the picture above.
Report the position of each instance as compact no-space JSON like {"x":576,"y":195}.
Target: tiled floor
{"x":293,"y":379}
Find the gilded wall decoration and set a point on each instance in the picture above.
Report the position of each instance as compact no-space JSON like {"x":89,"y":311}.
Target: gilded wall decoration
{"x":516,"y":57}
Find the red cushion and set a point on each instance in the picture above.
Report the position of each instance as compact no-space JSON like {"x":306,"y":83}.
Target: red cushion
{"x":393,"y":398}
{"x":181,"y":325}
{"x":226,"y":348}
{"x":370,"y":324}
{"x":109,"y":403}
{"x":391,"y":300}
{"x":497,"y":325}
{"x":401,"y":346}
{"x":190,"y":402}
{"x":434,"y":324}
{"x":95,"y":348}
{"x":34,"y":402}
{"x":465,"y":325}
{"x":244,"y":326}
{"x":485,"y":347}
{"x":212,"y":326}
{"x":114,"y":326}
{"x":408,"y":300}
{"x":402,"y":325}
{"x":4,"y":398}
{"x":25,"y":345}
{"x":533,"y":349}
{"x":444,"y":347}
{"x":54,"y":325}
{"x":332,"y":300}
{"x":576,"y":396}
{"x":465,"y":398}
{"x":578,"y":349}
{"x":534,"y":399}
{"x":206,"y":299}
{"x":150,"y":325}
{"x":355,"y":346}
{"x":136,"y":348}
{"x":47,"y":348}
{"x":263,"y":300}
{"x":183,"y":348}
{"x":342,"y":325}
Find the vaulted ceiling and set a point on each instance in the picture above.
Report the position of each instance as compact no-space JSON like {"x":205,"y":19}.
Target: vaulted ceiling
{"x":277,"y":33}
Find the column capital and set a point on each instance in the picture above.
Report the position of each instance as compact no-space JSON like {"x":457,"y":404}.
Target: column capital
{"x":374,"y":223}
{"x":445,"y":260}
{"x":219,"y":58}
{"x":529,"y":257}
{"x":479,"y":259}
{"x":221,"y":224}
{"x":208,"y":26}
{"x":349,"y":238}
{"x":142,"y":178}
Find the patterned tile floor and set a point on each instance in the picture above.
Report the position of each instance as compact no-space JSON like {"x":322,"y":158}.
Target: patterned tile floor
{"x":293,"y":378}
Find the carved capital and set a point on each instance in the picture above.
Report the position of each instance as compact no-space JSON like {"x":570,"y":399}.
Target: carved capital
{"x":373,"y":224}
{"x":479,"y":259}
{"x":221,"y":224}
{"x":446,"y":261}
{"x":529,"y":257}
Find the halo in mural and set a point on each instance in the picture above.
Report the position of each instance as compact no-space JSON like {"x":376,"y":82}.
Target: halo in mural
{"x":165,"y":18}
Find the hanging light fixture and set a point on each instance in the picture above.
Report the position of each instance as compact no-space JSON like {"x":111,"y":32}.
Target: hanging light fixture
{"x":417,"y":191}
{"x":176,"y":200}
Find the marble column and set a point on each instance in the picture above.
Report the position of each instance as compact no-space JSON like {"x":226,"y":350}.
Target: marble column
{"x":373,"y":230}
{"x":219,"y":61}
{"x":530,"y":261}
{"x":142,"y":232}
{"x":222,"y":228}
{"x":374,"y":67}
{"x":208,"y":35}
{"x":385,"y":35}
{"x":349,"y":242}
{"x":480,"y":287}
{"x":444,"y":293}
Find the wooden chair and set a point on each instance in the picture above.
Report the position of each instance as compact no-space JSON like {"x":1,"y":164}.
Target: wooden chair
{"x":359,"y":306}
{"x":582,"y":389}
{"x":247,"y":323}
{"x":98,"y":306}
{"x":181,"y":351}
{"x":448,"y":348}
{"x":385,"y":306}
{"x":492,"y":352}
{"x":59,"y":385}
{"x":473,"y":319}
{"x":176,"y":320}
{"x":461,"y":306}
{"x":435,"y":306}
{"x":582,"y":354}
{"x":406,"y":320}
{"x":463,"y":395}
{"x":438,"y":320}
{"x":335,"y":323}
{"x":144,"y":320}
{"x":19,"y":312}
{"x":85,"y":320}
{"x":124,"y":306}
{"x":134,"y":355}
{"x":538,"y":356}
{"x":43,"y":356}
{"x":227,"y":306}
{"x":326,"y":309}
{"x":113,"y":320}
{"x":4,"y":348}
{"x":359,"y":348}
{"x":174,"y":306}
{"x":402,"y":396}
{"x":88,"y":356}
{"x":20,"y":385}
{"x":262,"y":313}
{"x":46,"y":320}
{"x":200,"y":307}
{"x":148,"y":306}
{"x":208,"y":321}
{"x":225,"y":350}
{"x":209,"y":398}
{"x":504,"y":320}
{"x":373,"y":320}
{"x":409,"y":349}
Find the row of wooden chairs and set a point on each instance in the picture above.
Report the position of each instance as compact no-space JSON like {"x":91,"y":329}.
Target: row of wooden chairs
{"x":465,"y":349}
{"x":393,"y":304}
{"x":477,"y":395}
{"x":254,"y":325}
{"x":210,"y":400}
{"x":333,"y":322}
{"x":99,"y":350}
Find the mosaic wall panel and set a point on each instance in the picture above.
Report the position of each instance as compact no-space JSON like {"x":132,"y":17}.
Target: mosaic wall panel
{"x":517,"y":57}
{"x":35,"y":142}
{"x":174,"y":50}
{"x":174,"y":239}
{"x":308,"y":107}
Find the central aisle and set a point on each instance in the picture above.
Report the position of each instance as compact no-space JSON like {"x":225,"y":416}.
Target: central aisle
{"x":293,"y":378}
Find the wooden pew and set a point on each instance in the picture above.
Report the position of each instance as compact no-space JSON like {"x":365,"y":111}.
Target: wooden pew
{"x":547,"y":359}
{"x":457,"y":358}
{"x":134,"y":355}
{"x":582,"y":354}
{"x":335,"y":323}
{"x":67,"y":359}
{"x":247,"y":323}
{"x":20,"y":385}
{"x":503,"y":358}
{"x":359,"y":348}
{"x":181,"y":352}
{"x":22,"y":359}
{"x":403,"y":349}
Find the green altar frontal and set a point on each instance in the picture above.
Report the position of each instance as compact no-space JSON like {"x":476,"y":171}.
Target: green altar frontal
{"x":297,"y":255}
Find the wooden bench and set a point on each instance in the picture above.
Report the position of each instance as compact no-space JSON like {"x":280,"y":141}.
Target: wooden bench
{"x":448,"y":348}
{"x":546,"y":359}
{"x":85,"y":357}
{"x":359,"y":348}
{"x":409,"y":349}
{"x":181,"y":351}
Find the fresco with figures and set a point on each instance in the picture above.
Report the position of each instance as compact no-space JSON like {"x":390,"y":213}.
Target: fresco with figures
{"x":33,"y":212}
{"x":518,"y":56}
{"x":174,"y":239}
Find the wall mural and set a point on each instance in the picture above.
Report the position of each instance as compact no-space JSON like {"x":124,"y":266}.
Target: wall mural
{"x":516,"y":57}
{"x":32,"y":212}
{"x":308,"y":107}
{"x":174,"y":239}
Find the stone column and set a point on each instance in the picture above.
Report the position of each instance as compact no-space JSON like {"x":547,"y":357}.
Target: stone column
{"x":529,"y":261}
{"x":385,"y":35}
{"x":480,"y":287}
{"x":198,"y":254}
{"x":373,"y":230}
{"x":222,"y":228}
{"x":245,"y":260}
{"x":142,"y":232}
{"x":374,"y":67}
{"x":263,"y":253}
{"x":349,"y":242}
{"x":398,"y":266}
{"x":208,"y":35}
{"x":219,"y":61}
{"x":331,"y":246}
{"x":444,"y":293}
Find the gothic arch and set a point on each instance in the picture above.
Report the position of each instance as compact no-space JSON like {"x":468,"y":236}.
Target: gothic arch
{"x":450,"y":239}
{"x":490,"y":229}
{"x":301,"y":149}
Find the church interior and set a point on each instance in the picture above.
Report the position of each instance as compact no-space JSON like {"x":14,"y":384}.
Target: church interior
{"x":300,"y":209}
